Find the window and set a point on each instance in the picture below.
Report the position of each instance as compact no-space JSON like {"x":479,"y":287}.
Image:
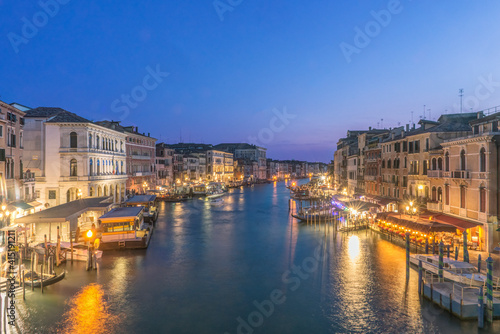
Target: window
{"x":73,"y":140}
{"x":494,"y":126}
{"x":410,"y":147}
{"x":1,"y":131}
{"x":417,"y":146}
{"x":434,"y":194}
{"x":90,"y":168}
{"x":426,"y":144}
{"x":73,"y":171}
{"x":462,"y":160}
{"x":447,"y":161}
{"x":482,"y":199}
{"x":462,"y":197}
{"x":425,"y":163}
{"x":440,"y":194}
{"x":90,"y":140}
{"x":440,"y":164}
{"x":433,"y":165}
{"x":52,"y":194}
{"x":389,"y":163}
{"x":482,"y":160}
{"x":97,"y":142}
{"x":405,"y":146}
{"x":476,"y":130}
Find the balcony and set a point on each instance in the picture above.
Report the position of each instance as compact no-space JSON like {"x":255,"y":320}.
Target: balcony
{"x":142,"y":173}
{"x":87,"y":178}
{"x":370,"y":177}
{"x":460,"y":174}
{"x":435,"y":206}
{"x":435,"y":173}
{"x":140,"y":157}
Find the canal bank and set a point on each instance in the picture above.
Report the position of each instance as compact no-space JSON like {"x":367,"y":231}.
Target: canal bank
{"x":207,"y":267}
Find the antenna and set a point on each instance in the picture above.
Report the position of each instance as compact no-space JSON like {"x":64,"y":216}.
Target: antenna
{"x":412,"y":117}
{"x":423,"y":117}
{"x":461,"y":94}
{"x":382,"y":123}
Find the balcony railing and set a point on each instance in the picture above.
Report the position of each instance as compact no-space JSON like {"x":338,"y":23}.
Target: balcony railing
{"x":435,"y":173}
{"x":460,"y":174}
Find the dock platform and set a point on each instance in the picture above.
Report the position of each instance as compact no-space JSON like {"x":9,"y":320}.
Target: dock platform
{"x":460,"y":300}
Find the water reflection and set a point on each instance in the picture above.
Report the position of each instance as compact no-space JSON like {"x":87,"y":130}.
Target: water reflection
{"x":89,"y":313}
{"x":353,"y":247}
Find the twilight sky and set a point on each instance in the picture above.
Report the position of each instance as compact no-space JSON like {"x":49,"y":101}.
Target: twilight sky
{"x":287,"y":75}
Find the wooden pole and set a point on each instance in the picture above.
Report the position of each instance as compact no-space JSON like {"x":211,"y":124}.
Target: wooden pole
{"x":71,"y":246}
{"x":41,"y":277}
{"x":45,"y":243}
{"x":24,"y":287}
{"x":58,"y":249}
{"x":32,"y":270}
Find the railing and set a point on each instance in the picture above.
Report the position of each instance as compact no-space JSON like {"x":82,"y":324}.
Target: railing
{"x":435,"y":206}
{"x":460,"y":174}
{"x":435,"y":173}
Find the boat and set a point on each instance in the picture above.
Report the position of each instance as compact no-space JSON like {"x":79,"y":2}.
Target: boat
{"x":150,"y":204}
{"x":217,"y":201}
{"x":174,"y":198}
{"x":456,"y":271}
{"x":215,"y":194}
{"x":125,"y":228}
{"x":47,"y":279}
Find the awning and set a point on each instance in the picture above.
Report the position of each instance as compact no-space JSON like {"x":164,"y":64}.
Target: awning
{"x":21,"y":205}
{"x":459,"y":223}
{"x":385,"y":201}
{"x":35,"y":204}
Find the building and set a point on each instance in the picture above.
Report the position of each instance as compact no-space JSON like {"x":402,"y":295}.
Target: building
{"x":141,"y":157}
{"x":248,"y":154}
{"x":73,"y":157}
{"x":17,"y":185}
{"x":164,"y":165}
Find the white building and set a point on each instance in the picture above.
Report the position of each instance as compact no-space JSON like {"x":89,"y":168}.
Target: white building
{"x":72,"y":157}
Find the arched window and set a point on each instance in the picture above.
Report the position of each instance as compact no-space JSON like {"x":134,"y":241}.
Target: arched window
{"x":98,"y":167}
{"x":482,"y":199}
{"x":440,"y":164}
{"x":434,"y":166}
{"x":462,"y":160}
{"x":73,"y":170}
{"x":447,"y":194}
{"x":97,"y":142}
{"x":434,"y":194}
{"x":73,"y":140}
{"x":440,"y":194}
{"x":383,"y":163}
{"x":463,"y":192}
{"x":91,"y":191}
{"x":90,"y":140}
{"x":447,"y":161}
{"x":91,"y":172}
{"x":482,"y":160}
{"x":388,"y":163}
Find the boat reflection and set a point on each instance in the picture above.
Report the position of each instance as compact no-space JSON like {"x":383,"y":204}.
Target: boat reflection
{"x":89,"y":313}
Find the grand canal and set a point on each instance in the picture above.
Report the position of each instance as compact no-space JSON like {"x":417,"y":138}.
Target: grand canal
{"x":243,"y":267}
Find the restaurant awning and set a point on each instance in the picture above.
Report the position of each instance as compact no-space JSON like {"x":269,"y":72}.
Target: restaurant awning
{"x":21,"y":205}
{"x":420,"y":225}
{"x":459,"y":223}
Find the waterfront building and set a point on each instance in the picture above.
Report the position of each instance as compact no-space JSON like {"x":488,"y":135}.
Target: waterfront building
{"x":73,"y":157}
{"x":446,"y":168}
{"x":16,"y":184}
{"x":220,"y":166}
{"x":141,"y":157}
{"x":248,"y":154}
{"x":164,"y":165}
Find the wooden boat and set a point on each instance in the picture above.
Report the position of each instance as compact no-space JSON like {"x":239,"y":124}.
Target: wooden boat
{"x":456,"y":271}
{"x":124,"y":228}
{"x":175,"y":198}
{"x":47,"y":279}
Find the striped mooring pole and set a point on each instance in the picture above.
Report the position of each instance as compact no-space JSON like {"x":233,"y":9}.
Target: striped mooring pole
{"x":480,"y":308}
{"x":419,"y":278}
{"x":407,"y":256}
{"x":441,"y":262}
{"x":466,"y":253}
{"x":489,"y":288}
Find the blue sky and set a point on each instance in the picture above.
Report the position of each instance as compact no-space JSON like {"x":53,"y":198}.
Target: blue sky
{"x":229,"y":79}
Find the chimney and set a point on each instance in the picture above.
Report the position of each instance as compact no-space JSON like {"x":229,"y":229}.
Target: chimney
{"x":402,"y":133}
{"x":149,"y":134}
{"x":369,"y":128}
{"x":407,"y":127}
{"x":413,"y":126}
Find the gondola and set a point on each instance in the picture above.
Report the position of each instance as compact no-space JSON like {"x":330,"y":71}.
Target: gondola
{"x":48,"y":280}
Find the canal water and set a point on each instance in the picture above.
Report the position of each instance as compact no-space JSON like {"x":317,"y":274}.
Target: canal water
{"x":243,"y":267}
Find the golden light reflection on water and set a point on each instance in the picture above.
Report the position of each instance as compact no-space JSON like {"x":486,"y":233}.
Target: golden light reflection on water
{"x":89,"y":313}
{"x":353,"y":247}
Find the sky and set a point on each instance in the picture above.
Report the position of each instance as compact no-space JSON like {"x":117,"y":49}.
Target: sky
{"x":286,"y":75}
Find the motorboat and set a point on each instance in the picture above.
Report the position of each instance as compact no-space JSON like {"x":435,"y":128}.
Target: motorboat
{"x":217,"y":201}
